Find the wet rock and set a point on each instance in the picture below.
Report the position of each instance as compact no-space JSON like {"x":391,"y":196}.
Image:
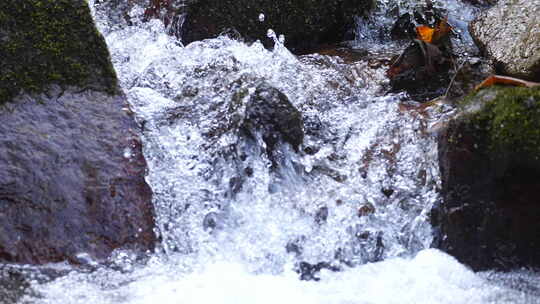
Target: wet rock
{"x":305,"y":23}
{"x":270,"y":112}
{"x":470,"y":73}
{"x":210,"y":221}
{"x":481,"y":3}
{"x":370,"y":245}
{"x":387,"y":192}
{"x":404,"y":27}
{"x":308,"y":272}
{"x":509,"y":34}
{"x":321,"y":216}
{"x":421,"y":70}
{"x":366,"y":210}
{"x":294,"y":246}
{"x":330,"y":172}
{"x":490,"y":170}
{"x":72,"y":181}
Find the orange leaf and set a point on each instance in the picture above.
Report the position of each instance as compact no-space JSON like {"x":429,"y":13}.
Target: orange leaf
{"x":433,"y":35}
{"x":425,"y":33}
{"x":497,"y":79}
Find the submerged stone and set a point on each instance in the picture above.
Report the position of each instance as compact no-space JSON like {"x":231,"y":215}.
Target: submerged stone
{"x":422,"y":70}
{"x":489,"y":157}
{"x":270,"y":112}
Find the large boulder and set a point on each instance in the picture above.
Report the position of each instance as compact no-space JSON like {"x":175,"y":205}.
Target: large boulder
{"x":490,"y":170}
{"x":305,"y":23}
{"x":509,"y":34}
{"x":72,"y":185}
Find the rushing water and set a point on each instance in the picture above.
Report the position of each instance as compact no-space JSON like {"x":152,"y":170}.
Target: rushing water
{"x":239,"y":226}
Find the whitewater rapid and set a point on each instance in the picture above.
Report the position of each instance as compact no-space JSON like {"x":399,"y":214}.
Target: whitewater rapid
{"x":363,"y":144}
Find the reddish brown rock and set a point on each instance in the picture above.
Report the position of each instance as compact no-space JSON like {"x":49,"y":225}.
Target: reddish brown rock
{"x":72,"y":179}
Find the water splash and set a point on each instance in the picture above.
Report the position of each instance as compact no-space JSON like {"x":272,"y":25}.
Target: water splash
{"x":236,"y":229}
{"x":187,"y":97}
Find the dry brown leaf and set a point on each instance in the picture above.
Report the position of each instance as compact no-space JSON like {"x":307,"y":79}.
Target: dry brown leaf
{"x":498,"y":79}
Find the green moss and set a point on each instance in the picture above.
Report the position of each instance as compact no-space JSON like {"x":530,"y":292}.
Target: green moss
{"x":44,"y":42}
{"x":509,"y":118}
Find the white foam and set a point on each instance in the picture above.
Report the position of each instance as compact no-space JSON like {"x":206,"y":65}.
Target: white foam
{"x":430,"y":277}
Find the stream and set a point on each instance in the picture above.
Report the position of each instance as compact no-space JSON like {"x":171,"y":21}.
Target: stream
{"x":343,"y":218}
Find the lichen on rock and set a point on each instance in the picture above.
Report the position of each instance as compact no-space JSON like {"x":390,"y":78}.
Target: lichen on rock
{"x":510,"y":117}
{"x":44,"y":42}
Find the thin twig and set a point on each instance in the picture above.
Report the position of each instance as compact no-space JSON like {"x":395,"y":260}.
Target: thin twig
{"x":453,"y":77}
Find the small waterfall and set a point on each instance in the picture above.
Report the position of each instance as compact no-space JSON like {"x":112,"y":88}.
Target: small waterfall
{"x":362,"y":152}
{"x":240,"y":221}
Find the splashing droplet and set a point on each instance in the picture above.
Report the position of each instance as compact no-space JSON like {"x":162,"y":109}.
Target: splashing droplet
{"x":271,"y":34}
{"x":261,"y":17}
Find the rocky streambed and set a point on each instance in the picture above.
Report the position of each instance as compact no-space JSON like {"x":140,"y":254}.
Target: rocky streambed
{"x":338,"y":152}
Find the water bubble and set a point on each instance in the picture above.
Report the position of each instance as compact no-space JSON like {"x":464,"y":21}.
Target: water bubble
{"x":127,"y":152}
{"x":261,"y":17}
{"x":271,"y":34}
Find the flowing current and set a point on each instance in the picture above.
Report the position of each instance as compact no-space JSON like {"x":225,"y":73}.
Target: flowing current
{"x":347,"y":212}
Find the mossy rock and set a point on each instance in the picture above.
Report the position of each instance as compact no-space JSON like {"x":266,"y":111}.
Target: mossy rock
{"x":44,"y":42}
{"x":509,"y":118}
{"x":489,"y":159}
{"x":305,"y":24}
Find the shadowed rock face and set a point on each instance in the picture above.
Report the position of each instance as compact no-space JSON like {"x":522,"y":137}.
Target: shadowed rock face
{"x":490,"y":170}
{"x":305,"y":23}
{"x":509,"y":34}
{"x":72,"y":179}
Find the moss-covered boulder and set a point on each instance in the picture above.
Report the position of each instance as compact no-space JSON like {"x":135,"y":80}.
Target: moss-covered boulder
{"x":45,"y":42}
{"x":489,"y":158}
{"x":305,"y":23}
{"x":509,"y":34}
{"x":72,"y":172}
